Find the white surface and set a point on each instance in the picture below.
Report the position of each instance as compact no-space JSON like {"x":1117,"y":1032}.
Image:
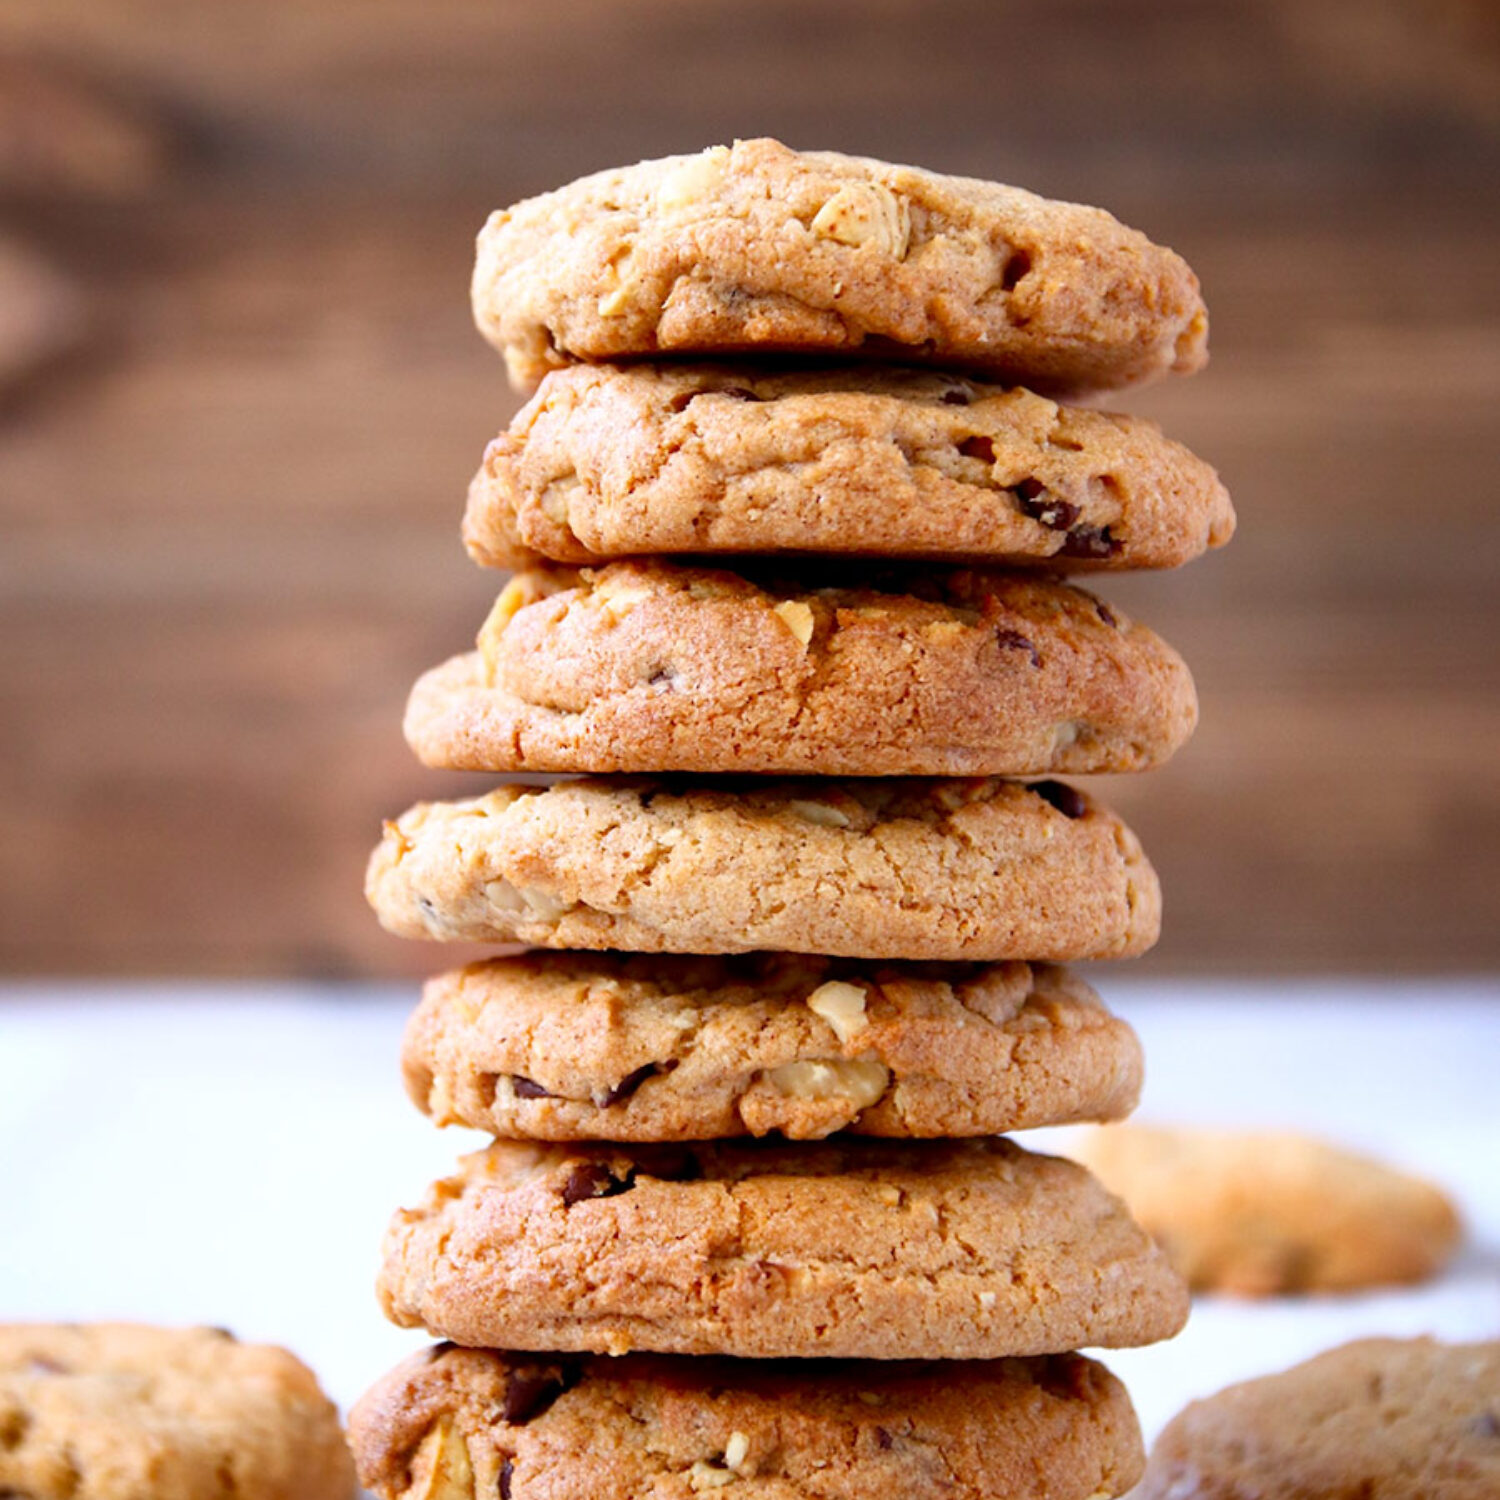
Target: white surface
{"x":230,"y":1155}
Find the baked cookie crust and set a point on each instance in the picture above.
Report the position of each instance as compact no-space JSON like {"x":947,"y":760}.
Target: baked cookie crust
{"x":847,"y":1249}
{"x":872,"y":461}
{"x":649,"y":666}
{"x":895,"y":868}
{"x":477,"y":1424}
{"x":756,"y":249}
{"x":569,"y":1046}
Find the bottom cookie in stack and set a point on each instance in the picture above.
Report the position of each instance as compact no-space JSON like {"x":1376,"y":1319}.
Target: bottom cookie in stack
{"x":940,"y":1285}
{"x":664,"y":1317}
{"x":475,"y":1424}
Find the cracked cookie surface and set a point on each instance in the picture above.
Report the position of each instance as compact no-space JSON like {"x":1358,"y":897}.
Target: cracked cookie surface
{"x":117,"y":1411}
{"x":566,"y":1046}
{"x":1267,"y":1213}
{"x":1378,"y":1419}
{"x":895,"y":868}
{"x":610,"y":461}
{"x":650,"y":666}
{"x":847,"y":1248}
{"x":479,"y":1424}
{"x":756,"y":249}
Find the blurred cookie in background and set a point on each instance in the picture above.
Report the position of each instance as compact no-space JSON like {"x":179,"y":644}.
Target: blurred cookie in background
{"x":1260,"y":1213}
{"x":1379,"y":1419}
{"x":116,"y":1411}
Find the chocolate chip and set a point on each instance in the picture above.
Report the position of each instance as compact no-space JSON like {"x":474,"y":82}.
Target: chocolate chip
{"x":629,"y":1084}
{"x":1038,"y":502}
{"x":1064,"y":798}
{"x":661,"y":676}
{"x":1013,"y":640}
{"x":978,"y":447}
{"x":884,"y":1439}
{"x":1485,"y":1425}
{"x":1089,"y":541}
{"x":592,"y":1179}
{"x":956,"y":397}
{"x":531,"y":1389}
{"x":507,"y":1468}
{"x":526,"y":1088}
{"x":1106,"y":614}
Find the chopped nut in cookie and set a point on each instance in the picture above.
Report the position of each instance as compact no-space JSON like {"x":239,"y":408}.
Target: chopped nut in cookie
{"x":842,"y":1005}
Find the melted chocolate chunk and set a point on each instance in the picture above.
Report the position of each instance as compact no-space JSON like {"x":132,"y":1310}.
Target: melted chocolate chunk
{"x":1013,"y":640}
{"x":1064,"y":798}
{"x":631,"y":1082}
{"x":592,"y":1179}
{"x":1038,"y":502}
{"x":956,"y":397}
{"x":526,"y":1088}
{"x":1089,"y":541}
{"x":1106,"y":614}
{"x":507,"y":1468}
{"x":531,"y":1389}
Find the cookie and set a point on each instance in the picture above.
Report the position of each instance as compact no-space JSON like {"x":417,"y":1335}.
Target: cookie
{"x":647,"y":665}
{"x":477,"y":1424}
{"x":918,"y":869}
{"x":610,"y":461}
{"x":850,"y":1248}
{"x":1259,"y":1214}
{"x":1380,"y":1419}
{"x":758,"y":249}
{"x":120,"y":1411}
{"x":565,"y":1047}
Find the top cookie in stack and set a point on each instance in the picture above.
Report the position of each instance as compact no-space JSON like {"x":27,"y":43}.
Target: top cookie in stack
{"x":791,"y":500}
{"x":756,"y":249}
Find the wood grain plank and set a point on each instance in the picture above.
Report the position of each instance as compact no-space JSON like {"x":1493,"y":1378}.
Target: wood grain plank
{"x":229,"y":524}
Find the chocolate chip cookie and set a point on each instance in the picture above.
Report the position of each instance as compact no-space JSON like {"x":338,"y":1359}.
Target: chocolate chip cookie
{"x":1380,"y":1419}
{"x":1261,"y":1213}
{"x":919,"y":869}
{"x":758,"y":249}
{"x":849,"y":1248}
{"x":564,"y":1046}
{"x":611,"y":461}
{"x":642,"y":666}
{"x":460,"y":1424}
{"x":120,"y":1411}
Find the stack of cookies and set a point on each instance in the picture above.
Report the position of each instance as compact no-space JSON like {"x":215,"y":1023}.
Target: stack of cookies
{"x":787,"y":609}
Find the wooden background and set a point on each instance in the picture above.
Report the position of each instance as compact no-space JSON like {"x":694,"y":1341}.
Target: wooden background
{"x":240,"y":398}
